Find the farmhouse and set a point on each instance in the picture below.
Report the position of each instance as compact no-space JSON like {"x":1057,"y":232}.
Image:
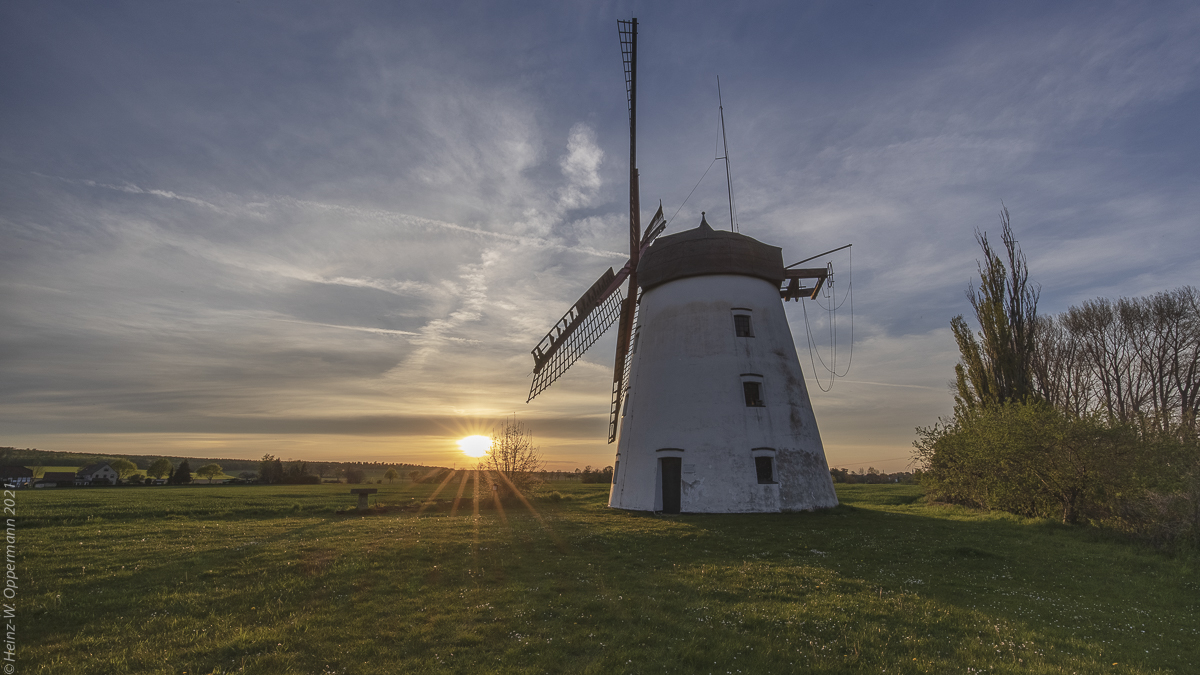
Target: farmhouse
{"x":16,"y":476}
{"x":55,"y":479}
{"x":96,"y":474}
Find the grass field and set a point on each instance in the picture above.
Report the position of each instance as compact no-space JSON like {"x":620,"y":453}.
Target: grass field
{"x":271,"y":580}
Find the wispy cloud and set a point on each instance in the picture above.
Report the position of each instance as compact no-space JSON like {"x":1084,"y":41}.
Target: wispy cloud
{"x":134,"y":190}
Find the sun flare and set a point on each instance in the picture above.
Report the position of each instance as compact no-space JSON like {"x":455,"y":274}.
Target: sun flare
{"x":475,"y":446}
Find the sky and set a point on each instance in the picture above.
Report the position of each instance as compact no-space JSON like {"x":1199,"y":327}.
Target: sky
{"x":334,"y":231}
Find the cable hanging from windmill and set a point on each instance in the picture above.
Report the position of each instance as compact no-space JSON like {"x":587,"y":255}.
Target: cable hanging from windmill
{"x":685,"y":199}
{"x":814,"y":355}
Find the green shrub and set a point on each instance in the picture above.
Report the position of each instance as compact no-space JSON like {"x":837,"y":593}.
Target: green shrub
{"x":1033,"y":460}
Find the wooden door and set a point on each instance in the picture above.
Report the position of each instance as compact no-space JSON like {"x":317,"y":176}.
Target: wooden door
{"x":671,"y":469}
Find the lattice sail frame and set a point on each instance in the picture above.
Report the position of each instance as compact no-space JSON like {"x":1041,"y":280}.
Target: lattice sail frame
{"x":627,"y":30}
{"x":620,"y":390}
{"x":575,"y":332}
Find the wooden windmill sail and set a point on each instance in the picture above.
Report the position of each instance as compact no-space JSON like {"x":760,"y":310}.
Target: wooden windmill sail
{"x":603,"y":303}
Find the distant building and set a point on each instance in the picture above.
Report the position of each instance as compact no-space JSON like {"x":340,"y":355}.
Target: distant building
{"x":16,"y":476}
{"x":98,"y":473}
{"x":55,"y":479}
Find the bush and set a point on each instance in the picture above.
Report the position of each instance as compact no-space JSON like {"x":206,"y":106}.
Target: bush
{"x":1033,"y":460}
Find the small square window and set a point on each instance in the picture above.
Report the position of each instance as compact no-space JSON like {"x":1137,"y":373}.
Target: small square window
{"x":753,"y":392}
{"x":763,"y":466}
{"x":741,"y":325}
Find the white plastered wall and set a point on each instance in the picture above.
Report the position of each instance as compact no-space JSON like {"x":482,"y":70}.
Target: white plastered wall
{"x":686,"y":394}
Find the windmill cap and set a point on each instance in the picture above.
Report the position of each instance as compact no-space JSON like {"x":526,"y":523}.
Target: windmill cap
{"x":704,"y":251}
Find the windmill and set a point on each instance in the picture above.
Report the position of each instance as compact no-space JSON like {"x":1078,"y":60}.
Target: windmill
{"x":708,"y":397}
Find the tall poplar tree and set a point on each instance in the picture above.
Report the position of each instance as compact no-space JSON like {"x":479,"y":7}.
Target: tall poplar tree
{"x":997,"y":362}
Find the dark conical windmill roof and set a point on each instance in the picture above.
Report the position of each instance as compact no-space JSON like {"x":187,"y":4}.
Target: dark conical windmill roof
{"x":704,"y":251}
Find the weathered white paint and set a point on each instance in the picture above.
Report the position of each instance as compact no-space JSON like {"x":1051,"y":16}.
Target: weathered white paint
{"x":686,"y":394}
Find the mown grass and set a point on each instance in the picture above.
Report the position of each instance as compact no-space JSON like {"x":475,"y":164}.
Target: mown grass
{"x":271,"y":580}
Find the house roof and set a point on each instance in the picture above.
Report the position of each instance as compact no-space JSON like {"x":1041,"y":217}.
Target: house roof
{"x":16,"y":472}
{"x":58,"y":476}
{"x":94,"y":468}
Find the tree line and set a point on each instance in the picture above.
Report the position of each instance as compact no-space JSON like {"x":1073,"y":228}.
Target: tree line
{"x":1089,"y":415}
{"x":248,"y":470}
{"x":871,"y":476}
{"x":1131,"y":360}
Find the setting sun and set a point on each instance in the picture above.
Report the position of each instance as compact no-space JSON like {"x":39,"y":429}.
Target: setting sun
{"x":475,"y":446}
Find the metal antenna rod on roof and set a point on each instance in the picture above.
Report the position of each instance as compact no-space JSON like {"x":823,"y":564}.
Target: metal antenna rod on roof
{"x":725,"y":144}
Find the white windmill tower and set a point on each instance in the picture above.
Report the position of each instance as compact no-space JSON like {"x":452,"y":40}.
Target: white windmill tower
{"x":708,"y":396}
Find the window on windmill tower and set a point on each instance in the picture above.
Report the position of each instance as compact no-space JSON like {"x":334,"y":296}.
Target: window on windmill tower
{"x":741,"y":325}
{"x":765,"y":468}
{"x":753,"y":392}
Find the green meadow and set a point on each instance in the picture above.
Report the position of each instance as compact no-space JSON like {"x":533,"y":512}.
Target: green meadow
{"x":224,"y":579}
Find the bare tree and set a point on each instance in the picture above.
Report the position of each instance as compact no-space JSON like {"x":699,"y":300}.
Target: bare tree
{"x":514,"y":456}
{"x":1139,"y":356}
{"x":1061,"y":375}
{"x":1108,"y":351}
{"x":1175,"y":360}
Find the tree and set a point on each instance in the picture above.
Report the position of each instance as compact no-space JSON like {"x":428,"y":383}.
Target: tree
{"x":297,"y":474}
{"x":123,"y":467}
{"x":1141,"y":356}
{"x":391,"y":474}
{"x":355,"y":476}
{"x":209,"y":471}
{"x":998,"y":367}
{"x":270,"y":469}
{"x":183,"y":474}
{"x":514,"y":456}
{"x":414,"y":475}
{"x":1060,"y":368}
{"x":159,"y":468}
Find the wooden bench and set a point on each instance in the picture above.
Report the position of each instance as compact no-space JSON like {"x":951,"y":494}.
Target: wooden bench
{"x":362,"y":496}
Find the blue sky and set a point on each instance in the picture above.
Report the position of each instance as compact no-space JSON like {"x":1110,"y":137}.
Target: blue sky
{"x":336,"y":230}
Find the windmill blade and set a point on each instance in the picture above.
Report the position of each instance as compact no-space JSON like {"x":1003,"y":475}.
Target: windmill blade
{"x":628,"y":308}
{"x":657,"y":224}
{"x":577,"y":330}
{"x":621,"y":379}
